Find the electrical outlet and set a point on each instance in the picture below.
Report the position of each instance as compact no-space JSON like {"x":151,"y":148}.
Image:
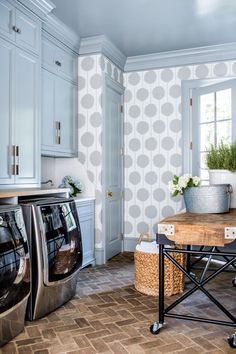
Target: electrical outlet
{"x":166,"y":229}
{"x":230,"y":233}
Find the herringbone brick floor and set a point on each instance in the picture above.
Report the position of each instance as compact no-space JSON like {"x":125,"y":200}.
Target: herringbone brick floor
{"x":109,"y":316}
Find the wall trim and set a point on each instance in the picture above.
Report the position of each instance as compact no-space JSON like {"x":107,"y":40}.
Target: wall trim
{"x":102,"y":45}
{"x":130,"y":244}
{"x":60,"y":31}
{"x":99,"y":256}
{"x":181,"y":57}
{"x":40,"y":7}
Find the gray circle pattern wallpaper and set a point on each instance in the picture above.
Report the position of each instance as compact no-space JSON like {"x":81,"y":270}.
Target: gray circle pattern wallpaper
{"x":153,"y":117}
{"x":152,"y":135}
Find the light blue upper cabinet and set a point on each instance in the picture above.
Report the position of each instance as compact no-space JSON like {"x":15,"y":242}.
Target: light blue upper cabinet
{"x":19,"y":97}
{"x":7,"y":19}
{"x":58,"y":116}
{"x":59,"y":99}
{"x":26,"y":122}
{"x":59,"y":61}
{"x":65,"y":115}
{"x":19,"y":137}
{"x":27,"y":32}
{"x":20,"y":27}
{"x":6,"y":100}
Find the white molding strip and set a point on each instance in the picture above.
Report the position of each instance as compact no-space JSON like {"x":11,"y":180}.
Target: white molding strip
{"x":59,"y":30}
{"x":181,"y":57}
{"x":40,"y":7}
{"x":102,"y":44}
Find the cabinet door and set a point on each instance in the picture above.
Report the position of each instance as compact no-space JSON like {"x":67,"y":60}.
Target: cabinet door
{"x":65,"y":115}
{"x":7,"y":19}
{"x":87,"y":232}
{"x":6,"y":101}
{"x":28,"y":32}
{"x":59,"y":61}
{"x":48,"y":104}
{"x":26,"y":117}
{"x":66,"y":64}
{"x":86,"y":218}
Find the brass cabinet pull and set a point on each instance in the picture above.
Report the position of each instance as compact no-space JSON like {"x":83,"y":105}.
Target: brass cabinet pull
{"x":109,"y":194}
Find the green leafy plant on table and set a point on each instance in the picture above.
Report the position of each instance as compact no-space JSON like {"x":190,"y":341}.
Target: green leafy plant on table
{"x":222,"y":157}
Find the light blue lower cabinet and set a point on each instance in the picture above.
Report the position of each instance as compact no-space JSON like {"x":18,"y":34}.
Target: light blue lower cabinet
{"x":86,"y":210}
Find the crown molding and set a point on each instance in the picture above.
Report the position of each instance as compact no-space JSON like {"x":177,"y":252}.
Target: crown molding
{"x":181,"y":57}
{"x":102,"y":44}
{"x":59,"y":30}
{"x":40,"y":7}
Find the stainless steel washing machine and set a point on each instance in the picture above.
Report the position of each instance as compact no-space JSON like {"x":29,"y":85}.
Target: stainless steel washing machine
{"x":14,"y":272}
{"x":56,"y":251}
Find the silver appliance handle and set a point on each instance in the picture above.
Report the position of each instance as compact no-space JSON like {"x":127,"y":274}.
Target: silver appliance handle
{"x":21,"y":271}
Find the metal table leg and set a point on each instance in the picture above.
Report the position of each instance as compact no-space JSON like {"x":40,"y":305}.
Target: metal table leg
{"x":156,"y":326}
{"x":198,"y":285}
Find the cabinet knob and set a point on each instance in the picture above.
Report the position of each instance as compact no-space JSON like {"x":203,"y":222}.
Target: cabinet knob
{"x":58,"y":63}
{"x":16,"y":29}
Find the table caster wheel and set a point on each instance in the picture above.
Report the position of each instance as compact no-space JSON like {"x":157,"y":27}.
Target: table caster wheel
{"x":155,"y":328}
{"x":232,"y":340}
{"x":234,"y":282}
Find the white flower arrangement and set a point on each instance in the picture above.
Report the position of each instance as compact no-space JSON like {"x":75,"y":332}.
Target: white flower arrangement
{"x":180,"y":183}
{"x":73,"y":184}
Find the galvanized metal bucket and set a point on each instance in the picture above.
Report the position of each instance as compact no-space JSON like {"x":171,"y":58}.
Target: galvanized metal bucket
{"x":208,"y":199}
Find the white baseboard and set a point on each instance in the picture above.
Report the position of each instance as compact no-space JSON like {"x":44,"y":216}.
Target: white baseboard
{"x":99,"y":256}
{"x":130,"y":244}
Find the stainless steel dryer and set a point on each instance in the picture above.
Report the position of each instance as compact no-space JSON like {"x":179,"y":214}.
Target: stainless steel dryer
{"x":14,"y":272}
{"x":56,"y":251}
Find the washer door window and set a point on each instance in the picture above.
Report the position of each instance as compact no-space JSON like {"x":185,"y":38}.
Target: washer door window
{"x":62,"y":241}
{"x":14,"y":260}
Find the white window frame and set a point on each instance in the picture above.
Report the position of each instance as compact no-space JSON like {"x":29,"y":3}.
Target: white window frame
{"x":187,"y":127}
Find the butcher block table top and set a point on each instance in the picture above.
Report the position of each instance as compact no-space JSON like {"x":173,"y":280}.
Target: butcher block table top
{"x":200,"y":229}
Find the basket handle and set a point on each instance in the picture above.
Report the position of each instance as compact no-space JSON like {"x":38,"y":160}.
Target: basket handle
{"x":145,"y":236}
{"x":229,"y":189}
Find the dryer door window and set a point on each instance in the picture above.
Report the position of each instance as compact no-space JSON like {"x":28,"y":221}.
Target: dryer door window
{"x":14,"y":260}
{"x":62,"y":241}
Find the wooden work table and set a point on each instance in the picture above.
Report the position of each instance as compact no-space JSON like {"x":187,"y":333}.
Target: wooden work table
{"x":200,"y":229}
{"x":191,"y":229}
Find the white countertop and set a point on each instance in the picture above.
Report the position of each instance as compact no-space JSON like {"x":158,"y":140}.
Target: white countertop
{"x":8,"y":193}
{"x":83,"y":199}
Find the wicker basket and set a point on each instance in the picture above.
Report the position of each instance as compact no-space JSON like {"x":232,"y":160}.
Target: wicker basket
{"x":147,"y":272}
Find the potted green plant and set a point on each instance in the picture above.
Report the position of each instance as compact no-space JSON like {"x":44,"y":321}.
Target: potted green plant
{"x":221,"y":162}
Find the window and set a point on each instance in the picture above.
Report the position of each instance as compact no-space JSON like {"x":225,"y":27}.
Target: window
{"x":213,"y":119}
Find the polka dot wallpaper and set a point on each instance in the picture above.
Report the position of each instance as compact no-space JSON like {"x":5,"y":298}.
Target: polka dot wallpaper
{"x":152,"y":130}
{"x":152,"y":135}
{"x":90,"y":124}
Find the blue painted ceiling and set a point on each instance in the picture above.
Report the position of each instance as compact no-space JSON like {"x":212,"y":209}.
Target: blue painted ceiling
{"x":139,"y":27}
